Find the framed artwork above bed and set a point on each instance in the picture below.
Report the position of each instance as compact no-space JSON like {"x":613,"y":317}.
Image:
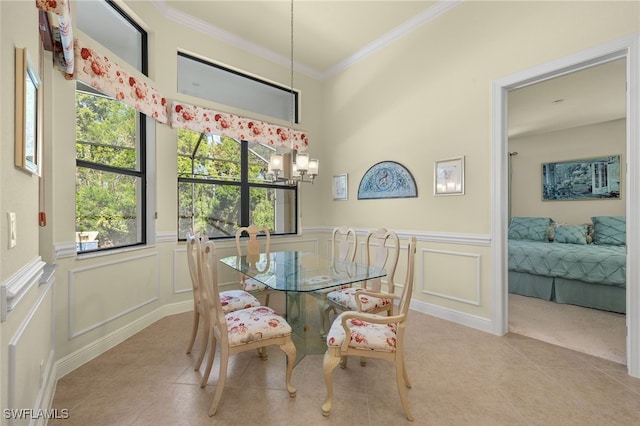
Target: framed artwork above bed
{"x":585,"y":179}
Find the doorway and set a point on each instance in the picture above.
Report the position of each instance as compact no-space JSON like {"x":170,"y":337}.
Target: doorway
{"x":624,"y":48}
{"x":578,"y":116}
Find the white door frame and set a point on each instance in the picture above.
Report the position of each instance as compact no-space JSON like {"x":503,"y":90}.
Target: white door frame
{"x":629,"y":48}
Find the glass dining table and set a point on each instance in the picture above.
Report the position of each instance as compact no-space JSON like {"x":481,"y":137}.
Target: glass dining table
{"x":299,"y":275}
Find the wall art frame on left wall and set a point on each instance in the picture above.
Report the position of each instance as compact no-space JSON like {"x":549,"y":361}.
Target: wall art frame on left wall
{"x":340,"y":187}
{"x":28,"y":114}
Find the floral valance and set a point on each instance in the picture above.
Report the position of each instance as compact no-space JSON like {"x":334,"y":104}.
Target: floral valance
{"x":59,"y":7}
{"x":62,"y":34}
{"x":204,"y":120}
{"x":100,"y":72}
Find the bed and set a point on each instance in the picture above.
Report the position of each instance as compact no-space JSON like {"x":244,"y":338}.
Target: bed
{"x":570,"y":263}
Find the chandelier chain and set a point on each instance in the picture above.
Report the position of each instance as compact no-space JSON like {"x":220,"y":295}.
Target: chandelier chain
{"x":293,"y":106}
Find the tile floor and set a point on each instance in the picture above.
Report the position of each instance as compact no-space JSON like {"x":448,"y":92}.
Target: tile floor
{"x":460,"y":376}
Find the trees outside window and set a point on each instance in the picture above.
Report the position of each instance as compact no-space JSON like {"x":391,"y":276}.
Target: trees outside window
{"x":222,"y":185}
{"x":111,"y":186}
{"x":109,"y":173}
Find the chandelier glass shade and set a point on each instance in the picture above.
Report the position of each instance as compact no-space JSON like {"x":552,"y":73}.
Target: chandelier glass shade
{"x":303,"y":169}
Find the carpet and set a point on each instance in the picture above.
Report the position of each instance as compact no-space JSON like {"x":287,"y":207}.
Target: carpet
{"x":591,"y":331}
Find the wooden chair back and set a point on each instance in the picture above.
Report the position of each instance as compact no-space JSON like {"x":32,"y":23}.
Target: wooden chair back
{"x":344,"y":244}
{"x":382,"y":250}
{"x":192,"y":261}
{"x":407,"y":290}
{"x":252,"y":246}
{"x":214,"y":315}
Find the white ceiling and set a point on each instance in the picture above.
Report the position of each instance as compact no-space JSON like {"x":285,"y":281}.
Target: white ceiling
{"x":589,"y":96}
{"x":330,"y":35}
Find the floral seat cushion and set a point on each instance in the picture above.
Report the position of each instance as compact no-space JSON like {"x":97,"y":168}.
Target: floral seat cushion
{"x":252,"y":285}
{"x":257,"y":323}
{"x":364,"y":335}
{"x":233,"y":300}
{"x":346,"y":298}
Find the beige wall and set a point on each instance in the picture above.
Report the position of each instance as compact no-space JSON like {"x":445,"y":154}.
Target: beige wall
{"x":19,"y":189}
{"x":599,"y":140}
{"x":428,"y":97}
{"x":26,"y":335}
{"x":425,"y":97}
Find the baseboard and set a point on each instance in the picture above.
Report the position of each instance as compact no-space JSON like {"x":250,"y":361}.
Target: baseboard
{"x":468,"y":320}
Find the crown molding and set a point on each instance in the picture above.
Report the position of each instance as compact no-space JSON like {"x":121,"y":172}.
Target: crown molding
{"x":232,"y":39}
{"x":407,"y":27}
{"x":400,"y":31}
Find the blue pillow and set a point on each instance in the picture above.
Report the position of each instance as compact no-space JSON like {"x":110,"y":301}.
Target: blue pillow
{"x":610,"y":230}
{"x":570,"y":234}
{"x":529,"y":228}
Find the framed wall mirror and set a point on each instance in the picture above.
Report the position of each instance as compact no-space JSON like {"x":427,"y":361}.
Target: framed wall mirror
{"x":28,"y":114}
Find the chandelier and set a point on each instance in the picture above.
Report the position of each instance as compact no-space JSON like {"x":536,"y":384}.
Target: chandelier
{"x":303,"y":169}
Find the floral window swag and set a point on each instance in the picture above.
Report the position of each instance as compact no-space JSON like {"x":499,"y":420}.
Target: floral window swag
{"x":89,"y":65}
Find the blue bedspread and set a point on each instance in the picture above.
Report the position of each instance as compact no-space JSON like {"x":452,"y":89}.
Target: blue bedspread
{"x":601,"y":264}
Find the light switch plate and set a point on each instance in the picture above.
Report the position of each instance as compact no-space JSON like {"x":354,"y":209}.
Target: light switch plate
{"x":12,"y":229}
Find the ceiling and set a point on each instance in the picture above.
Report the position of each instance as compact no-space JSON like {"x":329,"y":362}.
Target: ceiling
{"x":589,"y":96}
{"x":330,"y":35}
{"x":327,"y":35}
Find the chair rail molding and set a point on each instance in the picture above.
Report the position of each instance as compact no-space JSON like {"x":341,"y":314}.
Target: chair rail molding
{"x":14,"y":289}
{"x":64,"y":249}
{"x":483,"y":240}
{"x":167,"y":237}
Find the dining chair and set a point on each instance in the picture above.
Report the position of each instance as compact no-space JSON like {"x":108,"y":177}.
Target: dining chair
{"x":382,"y":250}
{"x":252,"y":246}
{"x":344,"y":245}
{"x":367,"y":335}
{"x":239,"y":331}
{"x":231,"y":300}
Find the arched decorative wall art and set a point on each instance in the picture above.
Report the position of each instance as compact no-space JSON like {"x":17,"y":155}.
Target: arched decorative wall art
{"x":387,"y":179}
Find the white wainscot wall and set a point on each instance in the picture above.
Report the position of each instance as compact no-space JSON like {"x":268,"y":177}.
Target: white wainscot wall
{"x":31,"y":353}
{"x":103,"y":292}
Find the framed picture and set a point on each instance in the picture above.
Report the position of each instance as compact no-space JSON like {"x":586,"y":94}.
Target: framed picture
{"x":448,"y":177}
{"x":27,"y":114}
{"x":587,"y":179}
{"x":340,"y":188}
{"x":387,"y":179}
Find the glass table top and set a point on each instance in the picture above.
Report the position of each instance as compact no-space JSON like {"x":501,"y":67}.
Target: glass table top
{"x":301,"y":271}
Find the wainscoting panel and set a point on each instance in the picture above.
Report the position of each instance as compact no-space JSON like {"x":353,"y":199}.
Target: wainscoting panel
{"x":31,"y":354}
{"x":443,"y":272}
{"x":103,"y":292}
{"x":181,"y":276}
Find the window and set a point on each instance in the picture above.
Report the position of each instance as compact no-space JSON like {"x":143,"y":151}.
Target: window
{"x":111,"y":193}
{"x":222,"y":186}
{"x":107,"y":24}
{"x":213,"y":82}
